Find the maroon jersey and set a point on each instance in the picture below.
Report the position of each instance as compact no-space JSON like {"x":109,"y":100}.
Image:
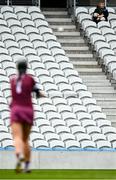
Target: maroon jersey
{"x":21,"y":90}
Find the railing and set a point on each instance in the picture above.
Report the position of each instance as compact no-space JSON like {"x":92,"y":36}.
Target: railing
{"x":34,"y":2}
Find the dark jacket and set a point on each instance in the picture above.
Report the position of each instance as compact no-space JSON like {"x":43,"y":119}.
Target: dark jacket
{"x":100,"y":11}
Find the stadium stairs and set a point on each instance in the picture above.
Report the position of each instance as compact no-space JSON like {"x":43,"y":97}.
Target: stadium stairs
{"x":83,"y":60}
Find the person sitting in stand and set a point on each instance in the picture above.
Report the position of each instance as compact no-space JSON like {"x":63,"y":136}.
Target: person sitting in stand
{"x":100,"y":13}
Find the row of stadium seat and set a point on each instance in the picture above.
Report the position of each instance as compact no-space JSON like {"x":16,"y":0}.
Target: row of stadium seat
{"x":102,"y":38}
{"x":69,"y":116}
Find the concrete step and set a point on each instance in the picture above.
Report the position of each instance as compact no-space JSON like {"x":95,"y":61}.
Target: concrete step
{"x":73,"y":48}
{"x":107,"y":105}
{"x":110,"y":112}
{"x":74,"y":42}
{"x":98,"y":84}
{"x":80,"y":55}
{"x":99,"y":77}
{"x":112,"y":119}
{"x":65,"y":28}
{"x":113,"y":124}
{"x":69,"y":34}
{"x":94,"y":78}
{"x":54,"y":9}
{"x":59,"y":21}
{"x":109,"y":98}
{"x":74,"y":60}
{"x":102,"y":95}
{"x":90,"y":70}
{"x":84,"y":63}
{"x":56,"y":14}
{"x":101,"y":90}
{"x":76,"y":50}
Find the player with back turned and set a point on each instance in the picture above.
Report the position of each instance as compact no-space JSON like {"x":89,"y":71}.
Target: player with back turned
{"x":22,"y":113}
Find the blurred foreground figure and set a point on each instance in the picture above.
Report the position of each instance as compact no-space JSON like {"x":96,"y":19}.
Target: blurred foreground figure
{"x":22,"y":113}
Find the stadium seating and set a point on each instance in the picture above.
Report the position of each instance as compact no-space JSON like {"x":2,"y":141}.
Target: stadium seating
{"x":102,"y":38}
{"x":68,"y":118}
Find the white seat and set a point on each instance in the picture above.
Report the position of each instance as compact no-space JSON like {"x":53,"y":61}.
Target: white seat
{"x":5,"y":136}
{"x":85,"y":94}
{"x":111,"y":137}
{"x":99,"y":45}
{"x":32,"y":9}
{"x":88,"y":144}
{"x":103,"y":123}
{"x":91,"y":10}
{"x":93,"y":129}
{"x":40,"y":144}
{"x":7,"y":143}
{"x":92,"y":30}
{"x":103,"y":24}
{"x":27,"y":22}
{"x":78,"y":108}
{"x":107,"y":30}
{"x":111,"y":10}
{"x":96,"y":37}
{"x":88,"y":102}
{"x":56,"y":144}
{"x":72,"y":144}
{"x":68,"y":115}
{"x":49,"y":37}
{"x":5,"y":9}
{"x":98,"y":115}
{"x":82,"y":136}
{"x":110,"y":37}
{"x":44,"y":30}
{"x":36,"y":136}
{"x":93,"y":109}
{"x":47,"y":107}
{"x":87,"y":24}
{"x":103,"y":144}
{"x":17,"y":29}
{"x":57,"y":122}
{"x":13,"y":22}
{"x":74,"y":101}
{"x":83,"y":116}
{"x":31,"y":30}
{"x":35,"y":15}
{"x":71,"y":123}
{"x":40,"y":123}
{"x":98,"y":137}
{"x":19,"y":9}
{"x":52,"y":44}
{"x":23,"y":15}
{"x":47,"y":129}
{"x":77,"y":130}
{"x":3,"y":129}
{"x":86,"y":123}
{"x":53,"y":115}
{"x":82,"y":17}
{"x":40,"y":23}
{"x":108,"y":130}
{"x":62,"y":129}
{"x":81,"y":10}
{"x":105,"y":52}
{"x":9,"y":15}
{"x":51,"y":136}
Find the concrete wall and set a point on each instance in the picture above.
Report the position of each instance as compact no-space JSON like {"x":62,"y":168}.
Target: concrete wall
{"x":63,"y":160}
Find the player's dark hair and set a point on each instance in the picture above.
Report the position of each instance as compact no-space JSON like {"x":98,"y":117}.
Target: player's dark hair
{"x":22,"y":67}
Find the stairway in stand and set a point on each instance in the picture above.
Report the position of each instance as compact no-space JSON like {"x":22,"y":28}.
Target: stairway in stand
{"x":83,"y":60}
